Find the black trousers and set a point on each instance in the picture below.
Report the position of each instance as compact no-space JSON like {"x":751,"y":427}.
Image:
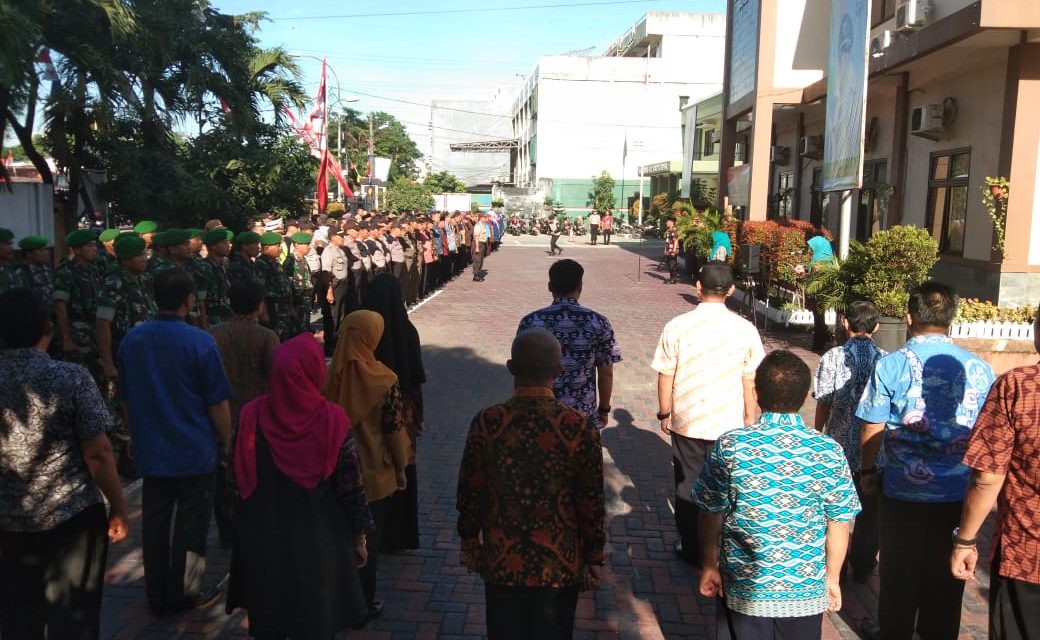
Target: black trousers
{"x":397,"y":268}
{"x":371,"y":568}
{"x":173,"y":571}
{"x":553,"y":244}
{"x":51,"y":581}
{"x":863,"y":549}
{"x":530,"y":613}
{"x":673,"y":266}
{"x":593,"y":232}
{"x":322,"y":282}
{"x":737,"y":626}
{"x":918,"y":591}
{"x":606,"y":236}
{"x":1014,"y":605}
{"x":688,"y":456}
{"x":478,"y":261}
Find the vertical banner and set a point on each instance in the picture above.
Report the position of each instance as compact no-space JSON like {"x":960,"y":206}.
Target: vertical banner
{"x":688,"y":142}
{"x":847,"y":63}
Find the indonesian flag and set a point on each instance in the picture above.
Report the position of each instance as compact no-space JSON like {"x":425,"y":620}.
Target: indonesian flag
{"x":50,"y":73}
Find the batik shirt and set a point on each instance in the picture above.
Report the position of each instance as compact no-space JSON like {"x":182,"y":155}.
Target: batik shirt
{"x":840,"y":380}
{"x":671,"y":242}
{"x":587,"y":341}
{"x":50,"y":408}
{"x":928,"y":395}
{"x":530,"y":492}
{"x":776,"y":484}
{"x":78,"y":287}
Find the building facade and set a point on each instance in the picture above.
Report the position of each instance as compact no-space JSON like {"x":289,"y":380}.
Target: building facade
{"x":952,"y":95}
{"x":464,"y":122}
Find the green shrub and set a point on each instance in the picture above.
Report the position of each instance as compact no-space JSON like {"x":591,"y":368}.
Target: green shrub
{"x":975,"y":310}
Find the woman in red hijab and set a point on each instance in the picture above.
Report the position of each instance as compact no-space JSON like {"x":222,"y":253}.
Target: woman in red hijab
{"x":303,"y":515}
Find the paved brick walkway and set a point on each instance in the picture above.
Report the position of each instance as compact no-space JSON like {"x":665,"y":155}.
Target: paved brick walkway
{"x":466,"y":331}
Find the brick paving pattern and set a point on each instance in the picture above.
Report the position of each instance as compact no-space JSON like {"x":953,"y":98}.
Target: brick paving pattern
{"x":466,"y":331}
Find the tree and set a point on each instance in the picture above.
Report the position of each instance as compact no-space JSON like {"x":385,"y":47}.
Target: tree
{"x":405,"y":194}
{"x":601,"y":197}
{"x":444,"y":182}
{"x":390,"y":140}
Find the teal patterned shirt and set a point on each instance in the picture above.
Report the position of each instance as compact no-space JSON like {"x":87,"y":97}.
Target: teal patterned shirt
{"x":776,"y":484}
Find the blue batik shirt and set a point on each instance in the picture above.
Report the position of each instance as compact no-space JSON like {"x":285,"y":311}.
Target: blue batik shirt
{"x":840,"y":380}
{"x":776,"y":484}
{"x":928,"y":395}
{"x":586,"y":342}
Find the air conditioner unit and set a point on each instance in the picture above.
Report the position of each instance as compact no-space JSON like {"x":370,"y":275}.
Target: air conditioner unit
{"x":811,"y":147}
{"x":911,"y":15}
{"x":927,"y":121}
{"x":779,"y":155}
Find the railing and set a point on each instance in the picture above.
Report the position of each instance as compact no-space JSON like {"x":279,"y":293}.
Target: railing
{"x":993,"y":330}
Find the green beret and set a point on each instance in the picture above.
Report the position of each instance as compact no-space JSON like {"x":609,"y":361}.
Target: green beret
{"x":129,"y":246}
{"x":270,"y":239}
{"x":158,"y":239}
{"x":31,"y":243}
{"x":195,"y":233}
{"x":301,"y":238}
{"x":145,"y":226}
{"x":230,"y":234}
{"x":6,"y":235}
{"x":175,"y":237}
{"x":108,"y":234}
{"x":79,"y":237}
{"x":216,"y":236}
{"x":247,"y":237}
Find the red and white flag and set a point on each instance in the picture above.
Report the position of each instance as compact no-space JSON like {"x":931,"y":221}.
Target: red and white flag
{"x":50,"y":73}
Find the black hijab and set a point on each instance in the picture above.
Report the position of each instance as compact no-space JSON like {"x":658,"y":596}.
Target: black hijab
{"x":399,"y":347}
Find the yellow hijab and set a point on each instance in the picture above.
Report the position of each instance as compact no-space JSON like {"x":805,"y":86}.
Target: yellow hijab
{"x":357,"y":381}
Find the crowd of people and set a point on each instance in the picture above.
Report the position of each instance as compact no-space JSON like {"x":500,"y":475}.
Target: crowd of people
{"x":304,"y":449}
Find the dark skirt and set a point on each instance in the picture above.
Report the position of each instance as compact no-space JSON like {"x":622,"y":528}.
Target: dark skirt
{"x":401,"y":526}
{"x":293,"y":567}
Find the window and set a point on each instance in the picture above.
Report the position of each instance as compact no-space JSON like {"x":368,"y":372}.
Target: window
{"x":820,"y":200}
{"x":785,"y":195}
{"x":881,"y":11}
{"x":870,"y":210}
{"x":948,"y":199}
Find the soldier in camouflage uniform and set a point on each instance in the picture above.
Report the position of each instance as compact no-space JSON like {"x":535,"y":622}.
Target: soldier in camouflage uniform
{"x":146,"y":229}
{"x":214,"y":285}
{"x":174,"y":246}
{"x":158,"y":260}
{"x":241,"y":265}
{"x":10,"y":276}
{"x":38,"y":275}
{"x":124,"y":302}
{"x":106,"y":257}
{"x":277,"y":287}
{"x":299,"y":274}
{"x":76,"y":287}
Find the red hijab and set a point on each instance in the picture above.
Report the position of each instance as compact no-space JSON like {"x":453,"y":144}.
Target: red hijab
{"x":303,"y":430}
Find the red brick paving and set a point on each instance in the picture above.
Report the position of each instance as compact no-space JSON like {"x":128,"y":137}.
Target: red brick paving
{"x":466,"y":333}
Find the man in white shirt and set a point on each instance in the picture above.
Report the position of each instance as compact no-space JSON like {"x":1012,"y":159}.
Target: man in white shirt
{"x":705,"y":361}
{"x":594,"y":226}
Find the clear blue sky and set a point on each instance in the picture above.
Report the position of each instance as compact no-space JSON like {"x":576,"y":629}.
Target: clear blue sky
{"x":445,"y":55}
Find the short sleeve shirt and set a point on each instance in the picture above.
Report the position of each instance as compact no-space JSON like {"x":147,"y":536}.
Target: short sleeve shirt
{"x":708,"y":352}
{"x":587,"y":341}
{"x":1006,"y":441}
{"x":928,"y":395}
{"x":776,"y":484}
{"x":49,"y":409}
{"x":839,"y":382}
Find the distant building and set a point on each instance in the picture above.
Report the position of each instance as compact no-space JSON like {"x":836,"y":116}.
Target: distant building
{"x":469,"y":121}
{"x":952,"y":98}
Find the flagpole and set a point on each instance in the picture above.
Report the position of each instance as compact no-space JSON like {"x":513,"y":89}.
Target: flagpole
{"x":624,"y":159}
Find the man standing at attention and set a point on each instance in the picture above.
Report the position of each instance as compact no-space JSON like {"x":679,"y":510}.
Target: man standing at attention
{"x":214,"y":277}
{"x":781,"y":496}
{"x":587,"y":341}
{"x":530,"y":501}
{"x":172,"y":380}
{"x":671,"y":250}
{"x":705,"y":363}
{"x":1004,"y":455}
{"x":921,"y":404}
{"x":606,"y":225}
{"x":594,"y":226}
{"x":480,"y":247}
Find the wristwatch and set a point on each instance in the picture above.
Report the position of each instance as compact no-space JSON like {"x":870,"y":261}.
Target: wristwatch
{"x":664,"y":415}
{"x":603,"y":410}
{"x":958,"y":541}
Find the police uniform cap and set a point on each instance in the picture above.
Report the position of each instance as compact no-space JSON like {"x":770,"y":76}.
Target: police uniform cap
{"x":108,"y":235}
{"x":214,"y":236}
{"x":270,"y":238}
{"x":175,"y":237}
{"x":301,"y":238}
{"x":247,"y":237}
{"x":195,"y":233}
{"x":146,"y":226}
{"x":6,"y":235}
{"x":31,"y":243}
{"x":129,"y":246}
{"x":79,"y":237}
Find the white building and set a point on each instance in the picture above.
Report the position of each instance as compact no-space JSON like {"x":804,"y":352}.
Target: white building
{"x":469,"y":121}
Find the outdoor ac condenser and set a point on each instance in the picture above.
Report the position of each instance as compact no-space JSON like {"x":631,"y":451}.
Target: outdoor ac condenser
{"x":811,"y":147}
{"x":911,"y":15}
{"x":926,"y":121}
{"x":779,"y":155}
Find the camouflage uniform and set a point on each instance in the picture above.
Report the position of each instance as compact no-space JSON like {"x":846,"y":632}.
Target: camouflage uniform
{"x":40,"y":279}
{"x":78,"y":286}
{"x":104,"y":263}
{"x":125,"y":301}
{"x":214,"y":287}
{"x":299,"y":274}
{"x":278,"y":294}
{"x":240,"y":268}
{"x":11,"y":277}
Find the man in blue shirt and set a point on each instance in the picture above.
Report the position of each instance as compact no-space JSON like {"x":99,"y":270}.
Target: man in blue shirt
{"x":921,"y":405}
{"x":176,"y":393}
{"x":781,"y":496}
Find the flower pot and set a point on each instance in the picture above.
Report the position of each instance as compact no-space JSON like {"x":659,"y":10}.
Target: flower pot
{"x":891,"y":333}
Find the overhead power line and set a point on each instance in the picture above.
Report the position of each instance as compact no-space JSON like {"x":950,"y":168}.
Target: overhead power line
{"x":428,"y":12}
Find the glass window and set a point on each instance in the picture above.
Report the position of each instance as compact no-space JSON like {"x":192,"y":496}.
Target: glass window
{"x":871,"y":211}
{"x":948,"y":200}
{"x":882,"y":10}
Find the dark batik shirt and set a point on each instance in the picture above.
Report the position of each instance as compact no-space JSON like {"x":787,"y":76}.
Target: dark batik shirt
{"x":48,"y":409}
{"x":587,"y":341}
{"x":530,"y":492}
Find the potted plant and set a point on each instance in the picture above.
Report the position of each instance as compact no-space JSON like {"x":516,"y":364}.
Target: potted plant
{"x":883,"y":271}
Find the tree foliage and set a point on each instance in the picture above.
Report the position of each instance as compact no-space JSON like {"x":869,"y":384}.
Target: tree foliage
{"x":444,"y":182}
{"x":601,"y":197}
{"x":389,"y":136}
{"x":405,"y":194}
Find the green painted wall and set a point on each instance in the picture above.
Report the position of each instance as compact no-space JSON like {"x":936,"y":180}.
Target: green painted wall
{"x":574,"y":193}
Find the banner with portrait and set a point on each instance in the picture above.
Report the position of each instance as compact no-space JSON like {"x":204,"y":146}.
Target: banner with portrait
{"x":847,"y":64}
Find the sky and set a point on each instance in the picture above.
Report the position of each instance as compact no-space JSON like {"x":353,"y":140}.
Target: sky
{"x":464,"y":51}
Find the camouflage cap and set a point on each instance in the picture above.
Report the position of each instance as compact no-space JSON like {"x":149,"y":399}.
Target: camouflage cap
{"x":79,"y":238}
{"x":108,"y":235}
{"x":129,"y":246}
{"x":31,"y":243}
{"x":270,"y":238}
